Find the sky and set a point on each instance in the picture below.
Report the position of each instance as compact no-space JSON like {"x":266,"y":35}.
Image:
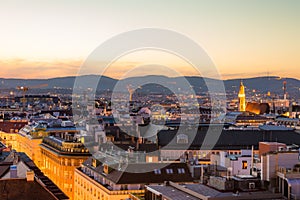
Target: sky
{"x":43,"y":39}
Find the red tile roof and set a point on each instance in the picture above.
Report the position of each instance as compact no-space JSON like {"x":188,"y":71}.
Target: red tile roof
{"x":7,"y":126}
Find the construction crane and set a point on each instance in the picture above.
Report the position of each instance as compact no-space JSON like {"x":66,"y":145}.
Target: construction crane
{"x":25,"y":89}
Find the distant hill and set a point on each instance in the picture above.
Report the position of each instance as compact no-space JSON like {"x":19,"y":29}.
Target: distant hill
{"x":263,"y":84}
{"x":62,"y":82}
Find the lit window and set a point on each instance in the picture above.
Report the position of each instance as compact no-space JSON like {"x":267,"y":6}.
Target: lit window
{"x":181,"y":171}
{"x":244,"y":164}
{"x":150,"y":159}
{"x":169,"y":171}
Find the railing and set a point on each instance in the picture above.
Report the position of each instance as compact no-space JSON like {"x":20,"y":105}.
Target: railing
{"x":295,"y":196}
{"x":284,"y":170}
{"x":135,"y":196}
{"x":65,"y":147}
{"x":106,"y":189}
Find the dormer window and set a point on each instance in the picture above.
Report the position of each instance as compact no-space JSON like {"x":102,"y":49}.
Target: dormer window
{"x":182,"y":139}
{"x":157,"y":171}
{"x":169,"y":171}
{"x":181,"y":171}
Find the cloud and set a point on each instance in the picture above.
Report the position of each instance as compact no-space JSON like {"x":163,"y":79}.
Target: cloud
{"x":22,"y":68}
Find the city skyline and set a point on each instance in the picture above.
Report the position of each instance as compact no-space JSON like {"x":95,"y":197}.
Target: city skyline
{"x":149,"y":100}
{"x":50,"y":39}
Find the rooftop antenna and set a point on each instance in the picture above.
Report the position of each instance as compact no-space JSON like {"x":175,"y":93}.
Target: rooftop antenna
{"x":284,"y":89}
{"x":268,"y":75}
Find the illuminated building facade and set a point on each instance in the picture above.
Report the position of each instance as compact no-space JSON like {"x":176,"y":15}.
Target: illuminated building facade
{"x":30,"y":137}
{"x":21,"y":179}
{"x":60,"y":157}
{"x":9,"y":130}
{"x":96,"y":180}
{"x":9,"y":139}
{"x":242,"y":98}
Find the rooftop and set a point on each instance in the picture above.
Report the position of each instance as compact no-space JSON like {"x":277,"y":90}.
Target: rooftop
{"x":66,"y":147}
{"x":199,"y":191}
{"x":141,"y":173}
{"x":228,"y":139}
{"x":9,"y":125}
{"x":42,"y":184}
{"x":11,"y":189}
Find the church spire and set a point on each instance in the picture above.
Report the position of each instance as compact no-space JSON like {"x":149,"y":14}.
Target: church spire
{"x":242,"y":98}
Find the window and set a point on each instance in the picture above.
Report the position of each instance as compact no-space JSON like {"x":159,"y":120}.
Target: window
{"x":244,"y":164}
{"x":157,"y":171}
{"x":169,"y":171}
{"x":182,"y":139}
{"x":150,"y":159}
{"x":181,"y":171}
{"x":124,"y":187}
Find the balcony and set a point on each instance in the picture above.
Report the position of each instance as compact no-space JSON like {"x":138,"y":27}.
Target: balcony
{"x":283,"y":172}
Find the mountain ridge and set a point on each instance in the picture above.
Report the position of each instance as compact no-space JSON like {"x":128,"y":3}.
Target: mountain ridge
{"x":262,"y":83}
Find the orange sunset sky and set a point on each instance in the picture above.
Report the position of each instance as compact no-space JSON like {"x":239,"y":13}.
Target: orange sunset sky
{"x":43,"y":39}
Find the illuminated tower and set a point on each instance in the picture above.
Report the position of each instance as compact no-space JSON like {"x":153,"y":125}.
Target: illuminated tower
{"x":130,"y":90}
{"x":242,"y":98}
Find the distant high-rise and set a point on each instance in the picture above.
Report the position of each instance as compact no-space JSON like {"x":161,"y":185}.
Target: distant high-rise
{"x":242,"y":98}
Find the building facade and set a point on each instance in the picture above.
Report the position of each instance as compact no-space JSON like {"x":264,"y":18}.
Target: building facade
{"x":60,"y":158}
{"x":9,"y":130}
{"x":29,"y":138}
{"x":95,"y":179}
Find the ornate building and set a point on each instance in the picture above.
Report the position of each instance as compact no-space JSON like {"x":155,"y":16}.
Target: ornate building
{"x":30,"y":137}
{"x":9,"y":130}
{"x":96,"y":179}
{"x":60,"y":157}
{"x":242,"y":98}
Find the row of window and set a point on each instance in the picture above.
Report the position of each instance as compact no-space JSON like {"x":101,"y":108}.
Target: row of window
{"x":170,"y":171}
{"x":66,"y":162}
{"x":10,"y":138}
{"x":87,"y":190}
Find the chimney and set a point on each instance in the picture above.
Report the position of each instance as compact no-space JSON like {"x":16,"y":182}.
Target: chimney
{"x":29,"y":176}
{"x":13,"y":171}
{"x":166,"y":183}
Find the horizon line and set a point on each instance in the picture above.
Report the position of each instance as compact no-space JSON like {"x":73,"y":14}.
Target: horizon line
{"x":71,"y":76}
